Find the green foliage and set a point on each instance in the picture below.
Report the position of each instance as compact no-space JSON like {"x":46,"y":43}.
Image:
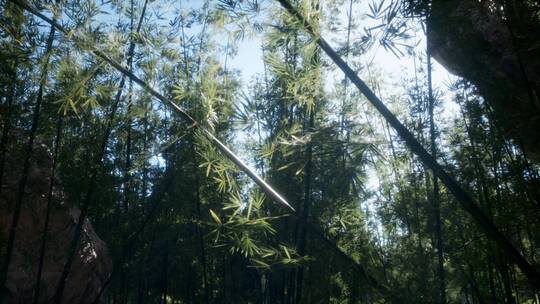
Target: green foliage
{"x":184,"y":225}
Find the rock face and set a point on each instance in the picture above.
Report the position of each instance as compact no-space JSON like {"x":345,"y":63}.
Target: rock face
{"x":92,"y":263}
{"x":499,"y":55}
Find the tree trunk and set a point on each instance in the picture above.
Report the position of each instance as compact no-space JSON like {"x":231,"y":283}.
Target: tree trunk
{"x":49,"y":206}
{"x":436,"y":196}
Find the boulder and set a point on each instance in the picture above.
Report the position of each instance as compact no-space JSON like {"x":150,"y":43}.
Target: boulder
{"x":498,"y":51}
{"x":92,"y":264}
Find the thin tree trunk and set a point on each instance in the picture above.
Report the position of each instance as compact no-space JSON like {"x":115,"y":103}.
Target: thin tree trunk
{"x":147,"y":261}
{"x":165,"y":272}
{"x":492,"y":290}
{"x":224,"y":279}
{"x":49,"y":206}
{"x":301,"y":242}
{"x":7,"y":122}
{"x":140,"y":282}
{"x":507,"y":284}
{"x":200,"y":239}
{"x":302,"y":218}
{"x":436,"y":196}
{"x":346,"y":79}
{"x":202,"y":251}
{"x":127,"y":165}
{"x":144,"y":187}
{"x":6,"y":128}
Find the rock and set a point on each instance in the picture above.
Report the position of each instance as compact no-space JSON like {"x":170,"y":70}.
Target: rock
{"x":92,"y":264}
{"x":472,"y":40}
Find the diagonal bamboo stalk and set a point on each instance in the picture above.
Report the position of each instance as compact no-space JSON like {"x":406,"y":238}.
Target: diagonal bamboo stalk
{"x":465,"y":199}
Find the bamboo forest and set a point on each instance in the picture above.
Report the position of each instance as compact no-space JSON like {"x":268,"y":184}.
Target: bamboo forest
{"x":269,"y":151}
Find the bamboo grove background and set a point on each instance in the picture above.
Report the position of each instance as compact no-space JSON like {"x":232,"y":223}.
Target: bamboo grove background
{"x":184,"y":225}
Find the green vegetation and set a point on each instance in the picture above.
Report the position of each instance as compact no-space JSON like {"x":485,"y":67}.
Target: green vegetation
{"x":443,"y":208}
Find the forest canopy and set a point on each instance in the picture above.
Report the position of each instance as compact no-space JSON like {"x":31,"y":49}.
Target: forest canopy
{"x":221,"y":151}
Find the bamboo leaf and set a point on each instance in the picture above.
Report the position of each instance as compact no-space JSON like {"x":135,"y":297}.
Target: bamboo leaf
{"x":215,"y":217}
